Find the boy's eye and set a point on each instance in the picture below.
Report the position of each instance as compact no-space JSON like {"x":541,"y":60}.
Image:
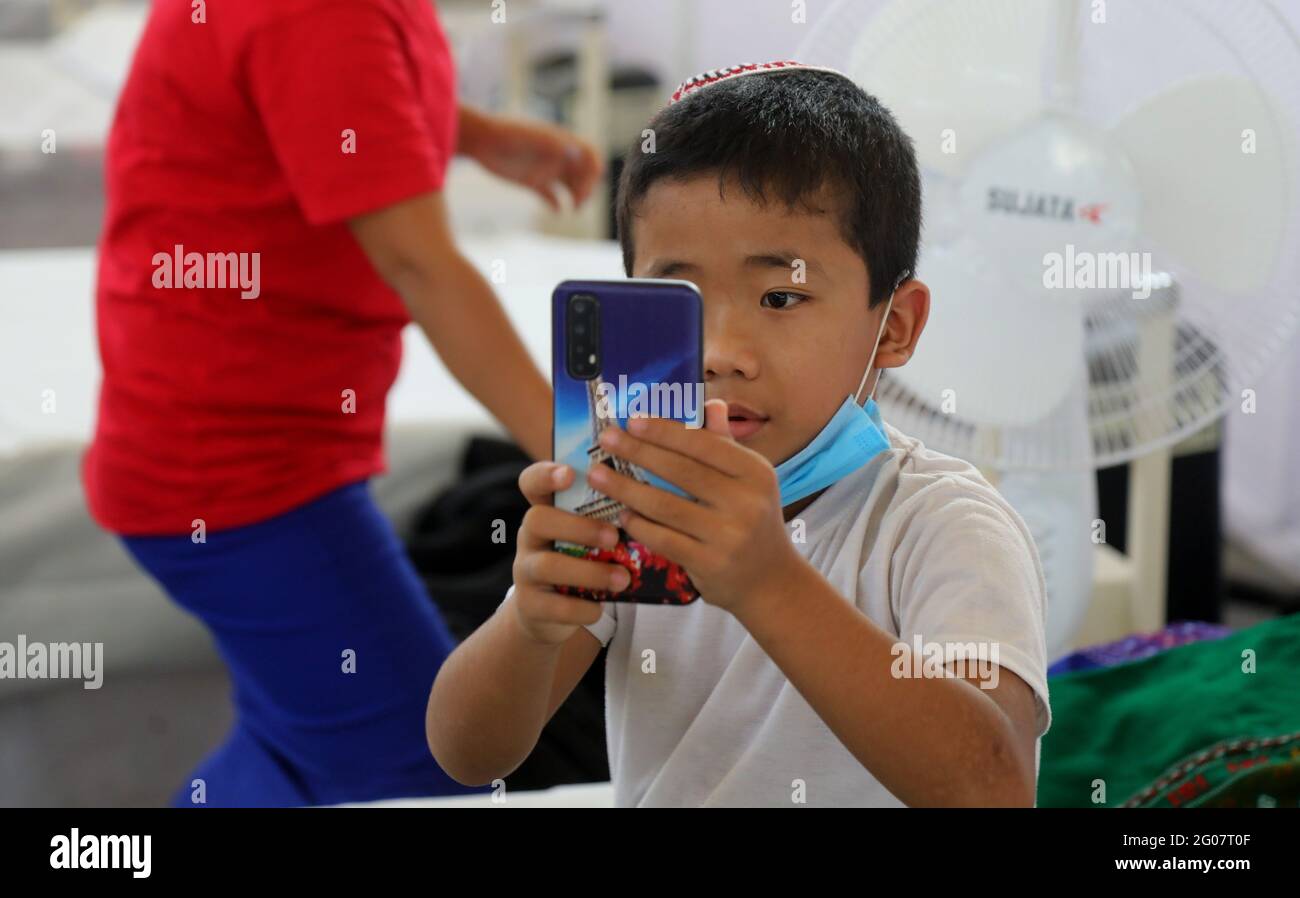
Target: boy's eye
{"x":781,"y":299}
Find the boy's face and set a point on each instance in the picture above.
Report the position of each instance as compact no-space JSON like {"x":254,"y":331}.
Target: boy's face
{"x":784,"y":343}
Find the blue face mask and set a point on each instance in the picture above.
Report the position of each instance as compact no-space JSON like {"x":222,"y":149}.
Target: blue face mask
{"x":852,"y":437}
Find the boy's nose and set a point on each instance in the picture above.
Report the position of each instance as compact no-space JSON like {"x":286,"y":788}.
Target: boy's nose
{"x":728,"y":354}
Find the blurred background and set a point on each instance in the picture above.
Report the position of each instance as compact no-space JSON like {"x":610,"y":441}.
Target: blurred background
{"x":1231,"y":554}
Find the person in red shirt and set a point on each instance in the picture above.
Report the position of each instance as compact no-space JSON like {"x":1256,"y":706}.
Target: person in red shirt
{"x":274,"y":220}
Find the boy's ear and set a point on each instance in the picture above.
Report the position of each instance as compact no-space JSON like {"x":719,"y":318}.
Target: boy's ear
{"x":907,"y":319}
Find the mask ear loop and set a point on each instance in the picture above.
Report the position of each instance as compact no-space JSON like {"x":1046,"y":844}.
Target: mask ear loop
{"x":880,"y":333}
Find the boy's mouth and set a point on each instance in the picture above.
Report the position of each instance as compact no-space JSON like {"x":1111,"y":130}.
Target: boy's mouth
{"x":744,"y":421}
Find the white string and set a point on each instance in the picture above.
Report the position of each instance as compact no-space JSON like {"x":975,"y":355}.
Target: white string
{"x":883,"y":321}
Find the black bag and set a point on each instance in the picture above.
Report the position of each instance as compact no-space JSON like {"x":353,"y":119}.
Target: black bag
{"x":467,"y":574}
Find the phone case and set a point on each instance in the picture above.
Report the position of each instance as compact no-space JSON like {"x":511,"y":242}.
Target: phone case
{"x":650,"y":338}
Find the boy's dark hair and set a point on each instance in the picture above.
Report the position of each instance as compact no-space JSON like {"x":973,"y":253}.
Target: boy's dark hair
{"x":787,"y":135}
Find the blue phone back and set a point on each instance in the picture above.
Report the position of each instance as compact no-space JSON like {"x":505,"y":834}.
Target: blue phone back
{"x":650,"y":361}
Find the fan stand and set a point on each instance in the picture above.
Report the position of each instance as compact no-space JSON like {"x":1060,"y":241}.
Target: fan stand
{"x":1129,"y":588}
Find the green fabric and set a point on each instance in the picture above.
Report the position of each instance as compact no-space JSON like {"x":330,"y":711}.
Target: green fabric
{"x":1235,"y":773}
{"x":1129,"y":724}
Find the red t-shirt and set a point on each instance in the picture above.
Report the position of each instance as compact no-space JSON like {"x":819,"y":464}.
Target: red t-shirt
{"x":249,"y":140}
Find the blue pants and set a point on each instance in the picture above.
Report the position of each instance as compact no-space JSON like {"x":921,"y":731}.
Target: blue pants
{"x":332,"y":644}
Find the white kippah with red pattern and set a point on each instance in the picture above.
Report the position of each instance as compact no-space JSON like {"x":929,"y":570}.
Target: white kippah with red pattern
{"x":703,"y":80}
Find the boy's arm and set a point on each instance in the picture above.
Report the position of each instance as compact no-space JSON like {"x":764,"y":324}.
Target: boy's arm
{"x":934,"y":740}
{"x":928,"y":740}
{"x":411,"y":247}
{"x":497,"y":690}
{"x":495,"y":693}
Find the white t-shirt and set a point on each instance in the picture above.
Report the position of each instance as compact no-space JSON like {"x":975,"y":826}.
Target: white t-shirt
{"x":920,"y":542}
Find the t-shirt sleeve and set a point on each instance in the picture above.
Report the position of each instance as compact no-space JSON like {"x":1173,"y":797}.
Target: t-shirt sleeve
{"x":334,"y":79}
{"x":966,"y":575}
{"x":602,"y":629}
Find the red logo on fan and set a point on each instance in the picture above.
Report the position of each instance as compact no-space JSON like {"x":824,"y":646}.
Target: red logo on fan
{"x":1092,"y":212}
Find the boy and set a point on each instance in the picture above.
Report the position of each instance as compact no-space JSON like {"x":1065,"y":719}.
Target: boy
{"x":798,"y":677}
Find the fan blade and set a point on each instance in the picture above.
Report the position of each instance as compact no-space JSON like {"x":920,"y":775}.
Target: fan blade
{"x":1218,"y":210}
{"x":1009,"y":352}
{"x":956,"y":75}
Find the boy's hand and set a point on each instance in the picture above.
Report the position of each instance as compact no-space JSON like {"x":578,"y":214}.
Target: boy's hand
{"x":544,"y":614}
{"x":733,"y":539}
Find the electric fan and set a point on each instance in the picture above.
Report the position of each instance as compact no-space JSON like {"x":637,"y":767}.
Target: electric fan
{"x":1110,"y":235}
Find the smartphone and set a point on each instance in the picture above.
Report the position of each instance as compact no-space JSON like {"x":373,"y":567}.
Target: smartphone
{"x":623,"y":349}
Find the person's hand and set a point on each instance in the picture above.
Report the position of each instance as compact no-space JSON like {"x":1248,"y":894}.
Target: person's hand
{"x":544,"y":614}
{"x":535,"y":155}
{"x":732,"y":540}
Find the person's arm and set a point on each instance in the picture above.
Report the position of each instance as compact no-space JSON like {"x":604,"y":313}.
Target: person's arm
{"x":536,"y":155}
{"x":410,"y":245}
{"x":931,"y":741}
{"x":495,"y":693}
{"x":928,"y":740}
{"x":472,"y":127}
{"x":497,"y":690}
